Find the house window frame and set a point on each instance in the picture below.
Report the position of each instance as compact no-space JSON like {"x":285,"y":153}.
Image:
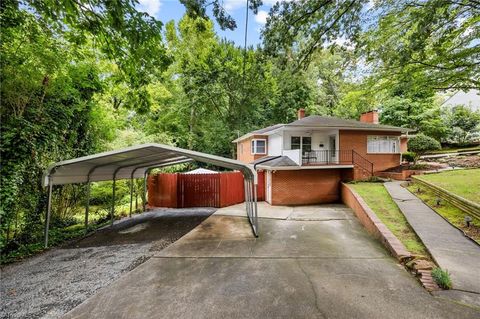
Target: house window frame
{"x":394,"y":148}
{"x":301,"y":144}
{"x":253,"y":146}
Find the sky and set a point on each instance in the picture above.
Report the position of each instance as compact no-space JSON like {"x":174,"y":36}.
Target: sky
{"x":166,"y":10}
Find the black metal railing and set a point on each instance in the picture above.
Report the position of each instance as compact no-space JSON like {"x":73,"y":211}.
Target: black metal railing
{"x":327,"y":157}
{"x":339,"y":157}
{"x":362,"y":162}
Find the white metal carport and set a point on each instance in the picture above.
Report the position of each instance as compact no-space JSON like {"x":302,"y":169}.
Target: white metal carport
{"x":136,"y":162}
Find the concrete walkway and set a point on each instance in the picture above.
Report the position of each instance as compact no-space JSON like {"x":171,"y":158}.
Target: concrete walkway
{"x":297,"y":268}
{"x":447,"y":245}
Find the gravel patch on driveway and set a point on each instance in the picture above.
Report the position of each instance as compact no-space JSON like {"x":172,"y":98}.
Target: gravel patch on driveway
{"x":52,"y":283}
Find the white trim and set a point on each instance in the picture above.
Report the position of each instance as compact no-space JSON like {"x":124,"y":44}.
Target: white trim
{"x":253,"y":146}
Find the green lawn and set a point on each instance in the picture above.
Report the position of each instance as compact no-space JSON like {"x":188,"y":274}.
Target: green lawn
{"x":377,"y":197}
{"x":464,"y":183}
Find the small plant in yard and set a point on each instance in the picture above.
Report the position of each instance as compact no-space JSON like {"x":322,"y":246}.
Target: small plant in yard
{"x":442,"y":278}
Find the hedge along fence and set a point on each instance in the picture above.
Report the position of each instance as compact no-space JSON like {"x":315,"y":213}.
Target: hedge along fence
{"x":457,"y":201}
{"x":176,"y":190}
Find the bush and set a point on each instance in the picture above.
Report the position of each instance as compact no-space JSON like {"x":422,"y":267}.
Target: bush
{"x":409,"y":157}
{"x":442,"y":278}
{"x":421,"y":144}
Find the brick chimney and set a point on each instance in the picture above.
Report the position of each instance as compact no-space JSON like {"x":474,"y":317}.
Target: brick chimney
{"x":301,"y":113}
{"x":369,"y":117}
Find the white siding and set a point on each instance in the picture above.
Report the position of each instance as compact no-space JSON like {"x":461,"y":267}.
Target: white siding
{"x":318,"y":138}
{"x":274,"y":145}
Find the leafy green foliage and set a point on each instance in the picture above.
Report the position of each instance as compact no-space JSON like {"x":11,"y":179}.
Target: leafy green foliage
{"x":434,"y":42}
{"x":298,"y":29}
{"x":442,"y":278}
{"x":421,"y":144}
{"x":463,"y":125}
{"x":409,"y":157}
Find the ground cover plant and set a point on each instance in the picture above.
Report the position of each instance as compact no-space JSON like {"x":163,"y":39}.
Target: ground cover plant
{"x":442,"y":278}
{"x":378,"y":199}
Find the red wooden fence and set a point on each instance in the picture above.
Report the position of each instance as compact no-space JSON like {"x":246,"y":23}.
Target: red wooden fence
{"x":199,"y":190}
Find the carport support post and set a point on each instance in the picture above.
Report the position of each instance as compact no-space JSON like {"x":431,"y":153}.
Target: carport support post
{"x":256,"y":208}
{"x":113,"y":201}
{"x":49,"y":209}
{"x":131,"y":194}
{"x":87,"y":204}
{"x":145,"y":175}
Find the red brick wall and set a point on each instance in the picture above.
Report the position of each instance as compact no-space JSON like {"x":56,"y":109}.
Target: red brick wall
{"x":303,"y":187}
{"x":357,"y":141}
{"x":403,"y":144}
{"x":244,"y":149}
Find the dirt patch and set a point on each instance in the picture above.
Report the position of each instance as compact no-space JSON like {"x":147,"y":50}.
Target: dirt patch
{"x":50,"y":284}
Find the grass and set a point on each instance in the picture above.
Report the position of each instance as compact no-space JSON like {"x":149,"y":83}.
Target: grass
{"x":464,"y":183}
{"x":442,"y":278}
{"x":377,"y":197}
{"x":451,"y":213}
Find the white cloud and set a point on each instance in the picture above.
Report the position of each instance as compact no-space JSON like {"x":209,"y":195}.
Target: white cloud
{"x":152,"y":7}
{"x":232,"y":5}
{"x":261,"y":17}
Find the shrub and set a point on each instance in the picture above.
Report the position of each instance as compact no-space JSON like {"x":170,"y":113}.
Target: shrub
{"x":442,"y":278}
{"x":421,"y":144}
{"x":408,"y":157}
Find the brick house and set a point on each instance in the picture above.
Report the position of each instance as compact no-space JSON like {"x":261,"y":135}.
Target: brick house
{"x":305,"y":161}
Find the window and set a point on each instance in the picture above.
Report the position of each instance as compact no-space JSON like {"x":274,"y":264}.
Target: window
{"x":295,"y":143}
{"x":306,"y":144}
{"x":383,"y":144}
{"x":259,"y":146}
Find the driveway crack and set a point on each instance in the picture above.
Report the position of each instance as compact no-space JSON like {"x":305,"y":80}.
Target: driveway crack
{"x":312,"y":286}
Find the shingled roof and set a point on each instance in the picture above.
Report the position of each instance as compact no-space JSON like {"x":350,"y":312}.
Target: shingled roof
{"x":327,"y":122}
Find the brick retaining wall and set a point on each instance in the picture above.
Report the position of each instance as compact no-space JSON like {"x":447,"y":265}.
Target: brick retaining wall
{"x":372,"y":223}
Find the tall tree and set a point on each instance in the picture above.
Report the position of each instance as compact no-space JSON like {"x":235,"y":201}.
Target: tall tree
{"x":435,"y":41}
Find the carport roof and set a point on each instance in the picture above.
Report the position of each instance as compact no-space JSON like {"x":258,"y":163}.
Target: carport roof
{"x":133,"y":162}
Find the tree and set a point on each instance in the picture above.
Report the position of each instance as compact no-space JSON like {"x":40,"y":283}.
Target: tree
{"x":463,"y":124}
{"x":436,"y":40}
{"x":421,"y":144}
{"x":298,"y":29}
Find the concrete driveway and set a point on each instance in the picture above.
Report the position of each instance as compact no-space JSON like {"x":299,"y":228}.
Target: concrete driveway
{"x":314,"y":262}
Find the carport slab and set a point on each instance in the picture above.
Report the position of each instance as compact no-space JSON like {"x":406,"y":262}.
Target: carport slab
{"x":321,"y":212}
{"x":265,"y":210}
{"x":279,"y":238}
{"x":266,"y":288}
